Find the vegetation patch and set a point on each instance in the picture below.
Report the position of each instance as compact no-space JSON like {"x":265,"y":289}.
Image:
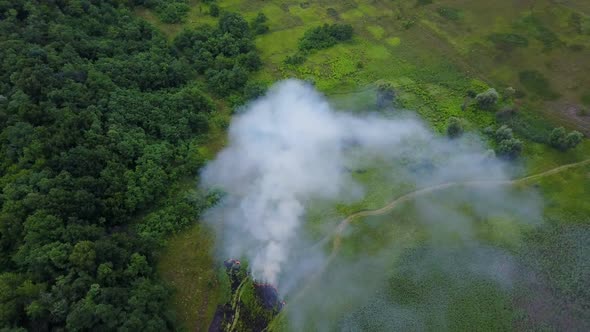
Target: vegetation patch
{"x":325,"y":36}
{"x":535,"y":82}
{"x":450,"y":13}
{"x":539,"y":31}
{"x":376,"y":31}
{"x":508,"y":41}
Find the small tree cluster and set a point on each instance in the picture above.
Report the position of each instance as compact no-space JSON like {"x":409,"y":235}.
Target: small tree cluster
{"x":487,"y":99}
{"x":170,"y":12}
{"x":259,"y":25}
{"x":226,"y":55}
{"x":214,"y":10}
{"x":455,"y":128}
{"x":563,"y":141}
{"x":508,"y":146}
{"x":325,"y":36}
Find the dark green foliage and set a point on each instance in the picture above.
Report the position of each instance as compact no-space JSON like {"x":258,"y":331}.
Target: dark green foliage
{"x":528,"y":125}
{"x":385,"y":95}
{"x":259,"y":25}
{"x":253,"y":90}
{"x":97,"y":123}
{"x":508,"y":41}
{"x":508,"y":147}
{"x":450,"y":13}
{"x":539,"y":31}
{"x":423,"y":2}
{"x":169,"y":11}
{"x":504,"y":132}
{"x":455,"y":128}
{"x":295,"y":59}
{"x":226,"y":54}
{"x":214,"y":10}
{"x":536,"y":83}
{"x":563,"y":141}
{"x":333,"y":13}
{"x":325,"y":36}
{"x":234,"y":24}
{"x":487,"y":99}
{"x":173,"y":12}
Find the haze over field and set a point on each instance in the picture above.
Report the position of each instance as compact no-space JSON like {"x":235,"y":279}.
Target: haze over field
{"x":291,"y":147}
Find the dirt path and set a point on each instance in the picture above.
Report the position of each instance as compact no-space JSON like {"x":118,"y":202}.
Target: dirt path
{"x":337,"y":234}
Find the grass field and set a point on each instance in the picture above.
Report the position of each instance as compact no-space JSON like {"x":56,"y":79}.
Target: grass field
{"x":432,"y":54}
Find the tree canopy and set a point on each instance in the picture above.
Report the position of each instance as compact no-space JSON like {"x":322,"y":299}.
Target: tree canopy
{"x":97,"y":120}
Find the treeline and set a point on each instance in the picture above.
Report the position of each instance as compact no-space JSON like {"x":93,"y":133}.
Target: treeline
{"x":169,"y":11}
{"x":226,"y":54}
{"x":97,"y":121}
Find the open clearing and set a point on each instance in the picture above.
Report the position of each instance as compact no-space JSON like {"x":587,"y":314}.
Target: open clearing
{"x":432,"y":55}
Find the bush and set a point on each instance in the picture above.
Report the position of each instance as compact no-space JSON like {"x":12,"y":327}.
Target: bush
{"x":455,"y":128}
{"x":449,"y":13}
{"x":325,"y":36}
{"x":296,"y":59}
{"x":214,"y":10}
{"x":385,"y":95}
{"x":234,"y":24}
{"x":503,"y":133}
{"x":253,"y":90}
{"x":510,"y":148}
{"x":173,"y":12}
{"x":562,"y":141}
{"x":259,"y":25}
{"x":487,"y":99}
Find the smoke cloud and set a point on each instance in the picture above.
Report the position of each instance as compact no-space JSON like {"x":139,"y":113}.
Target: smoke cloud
{"x":290,"y":149}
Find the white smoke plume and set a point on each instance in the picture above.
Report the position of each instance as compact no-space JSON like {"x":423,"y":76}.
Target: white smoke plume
{"x":284,"y":150}
{"x":291,"y":147}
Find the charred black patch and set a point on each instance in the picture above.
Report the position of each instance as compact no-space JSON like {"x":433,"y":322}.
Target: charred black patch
{"x":269,"y":297}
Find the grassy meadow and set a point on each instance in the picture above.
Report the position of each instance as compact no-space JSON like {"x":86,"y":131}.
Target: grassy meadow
{"x":432,"y":53}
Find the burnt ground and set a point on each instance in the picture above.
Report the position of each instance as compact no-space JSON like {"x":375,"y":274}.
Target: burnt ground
{"x":224,"y":313}
{"x":269,"y":297}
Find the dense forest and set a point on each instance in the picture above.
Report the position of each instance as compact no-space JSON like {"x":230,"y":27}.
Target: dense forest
{"x":98,"y":119}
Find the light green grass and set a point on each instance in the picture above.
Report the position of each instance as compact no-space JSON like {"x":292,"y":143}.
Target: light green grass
{"x":187,"y":265}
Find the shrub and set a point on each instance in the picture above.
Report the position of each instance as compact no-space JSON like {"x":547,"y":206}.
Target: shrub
{"x":173,"y":12}
{"x":487,"y":99}
{"x":296,"y":59}
{"x":214,"y":10}
{"x":325,"y":36}
{"x":259,"y":25}
{"x":510,"y":148}
{"x":455,"y":128}
{"x":449,"y":13}
{"x":385,"y":94}
{"x":562,"y":141}
{"x":503,"y":133}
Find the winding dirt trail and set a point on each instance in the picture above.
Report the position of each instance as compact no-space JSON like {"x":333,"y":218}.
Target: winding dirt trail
{"x":339,"y":230}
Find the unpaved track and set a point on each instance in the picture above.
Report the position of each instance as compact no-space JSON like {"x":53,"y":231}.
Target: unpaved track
{"x":337,"y":234}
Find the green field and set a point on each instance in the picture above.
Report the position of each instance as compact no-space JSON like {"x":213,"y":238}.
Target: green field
{"x":432,"y":54}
